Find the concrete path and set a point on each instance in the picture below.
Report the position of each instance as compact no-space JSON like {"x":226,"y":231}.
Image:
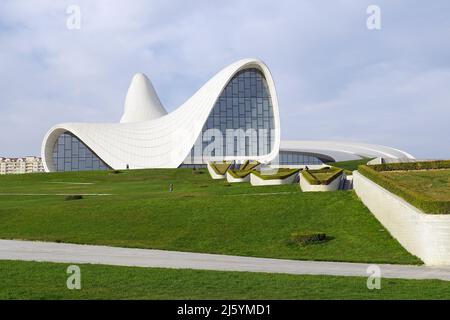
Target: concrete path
{"x":73,"y":253}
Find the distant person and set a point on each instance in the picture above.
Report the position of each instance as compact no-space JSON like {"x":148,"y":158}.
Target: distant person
{"x":128,"y":166}
{"x":171,"y":187}
{"x":306,"y":168}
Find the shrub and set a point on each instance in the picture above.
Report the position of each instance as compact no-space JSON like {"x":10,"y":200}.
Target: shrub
{"x":306,"y":238}
{"x":73,"y":197}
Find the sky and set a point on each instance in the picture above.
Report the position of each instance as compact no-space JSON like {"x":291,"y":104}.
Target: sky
{"x":335,"y":78}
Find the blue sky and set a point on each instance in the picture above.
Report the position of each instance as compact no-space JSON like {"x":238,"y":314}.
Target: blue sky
{"x":336,"y":80}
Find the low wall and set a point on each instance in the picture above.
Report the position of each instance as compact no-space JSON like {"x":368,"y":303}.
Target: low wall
{"x":425,"y":235}
{"x":232,"y":179}
{"x":257,"y":181}
{"x":333,"y":186}
{"x":213,"y":173}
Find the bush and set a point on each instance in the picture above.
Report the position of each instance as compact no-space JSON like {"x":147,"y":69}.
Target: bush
{"x":415,"y":198}
{"x":73,"y":197}
{"x":306,"y":238}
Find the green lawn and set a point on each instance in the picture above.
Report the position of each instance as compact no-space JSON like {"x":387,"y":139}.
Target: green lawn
{"x":200,"y":215}
{"x":38,"y":280}
{"x":350,"y":165}
{"x":434,"y":184}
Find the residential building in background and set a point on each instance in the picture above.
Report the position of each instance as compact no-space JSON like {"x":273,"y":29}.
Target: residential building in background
{"x":20,"y":165}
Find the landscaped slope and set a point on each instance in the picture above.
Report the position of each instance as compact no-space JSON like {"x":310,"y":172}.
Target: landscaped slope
{"x":321,"y":176}
{"x":423,"y":184}
{"x":200,"y":215}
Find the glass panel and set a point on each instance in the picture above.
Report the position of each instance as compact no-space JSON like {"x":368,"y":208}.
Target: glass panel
{"x":297,"y":158}
{"x":70,"y":154}
{"x":244,"y":104}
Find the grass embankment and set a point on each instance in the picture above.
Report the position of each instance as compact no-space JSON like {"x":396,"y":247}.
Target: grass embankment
{"x":200,"y":215}
{"x":37,"y":280}
{"x":220,"y":167}
{"x":322,"y":176}
{"x":350,"y":165}
{"x":279,"y":173}
{"x":424,"y":185}
{"x":249,"y":165}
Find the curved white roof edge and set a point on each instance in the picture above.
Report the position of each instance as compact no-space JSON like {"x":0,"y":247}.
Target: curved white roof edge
{"x":343,"y":151}
{"x":163,"y":142}
{"x":142,"y":102}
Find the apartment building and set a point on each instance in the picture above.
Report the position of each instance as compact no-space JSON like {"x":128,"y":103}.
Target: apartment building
{"x":20,"y":165}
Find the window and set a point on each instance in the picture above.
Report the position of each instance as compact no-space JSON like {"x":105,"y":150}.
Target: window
{"x":70,"y":154}
{"x":245,"y":103}
{"x":297,"y":158}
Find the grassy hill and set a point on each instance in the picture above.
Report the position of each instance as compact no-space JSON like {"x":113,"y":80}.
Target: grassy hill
{"x":200,"y":215}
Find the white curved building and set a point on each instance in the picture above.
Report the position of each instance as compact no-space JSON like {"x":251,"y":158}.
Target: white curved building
{"x":234,"y":116}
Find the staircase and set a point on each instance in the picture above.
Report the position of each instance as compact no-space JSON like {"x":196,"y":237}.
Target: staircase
{"x":347,"y":183}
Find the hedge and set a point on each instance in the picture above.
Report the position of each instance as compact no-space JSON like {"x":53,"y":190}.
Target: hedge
{"x":305,"y":238}
{"x":238,"y":174}
{"x":421,"y":165}
{"x":313,"y":180}
{"x":282,"y":173}
{"x":220,"y":167}
{"x":249,"y":165}
{"x":73,"y":197}
{"x":417,"y":199}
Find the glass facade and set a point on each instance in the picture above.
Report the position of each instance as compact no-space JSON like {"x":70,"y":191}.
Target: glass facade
{"x":242,"y":119}
{"x":70,"y":154}
{"x":297,"y":158}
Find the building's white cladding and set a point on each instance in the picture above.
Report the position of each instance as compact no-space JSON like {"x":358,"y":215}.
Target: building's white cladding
{"x":343,"y":151}
{"x":160,"y":141}
{"x":148,"y":137}
{"x":142,"y":102}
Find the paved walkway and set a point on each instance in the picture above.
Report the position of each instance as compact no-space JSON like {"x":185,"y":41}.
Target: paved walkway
{"x":73,"y":253}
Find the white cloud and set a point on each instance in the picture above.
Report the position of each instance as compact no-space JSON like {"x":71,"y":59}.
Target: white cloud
{"x":335,"y":79}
